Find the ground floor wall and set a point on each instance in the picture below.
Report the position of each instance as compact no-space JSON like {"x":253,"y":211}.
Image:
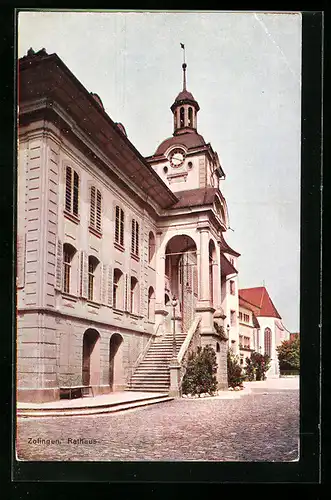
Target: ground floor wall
{"x":55,"y":350}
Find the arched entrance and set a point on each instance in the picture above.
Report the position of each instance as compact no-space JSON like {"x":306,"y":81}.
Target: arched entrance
{"x":181,"y":270}
{"x":115,"y":361}
{"x":91,"y":357}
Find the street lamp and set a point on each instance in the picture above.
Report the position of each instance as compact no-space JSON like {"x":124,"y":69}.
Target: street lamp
{"x":174,"y":305}
{"x":228,"y":334}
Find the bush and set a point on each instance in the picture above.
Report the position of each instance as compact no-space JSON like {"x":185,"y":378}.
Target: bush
{"x":289,"y":355}
{"x":249,"y":370}
{"x":260,"y":364}
{"x":200,"y":372}
{"x":235,"y":374}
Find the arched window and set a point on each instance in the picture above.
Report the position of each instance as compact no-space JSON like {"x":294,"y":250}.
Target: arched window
{"x":118,"y":289}
{"x":72,"y":191}
{"x":95,"y":209}
{"x":190,"y":117}
{"x":175,"y":120}
{"x":134,"y":296}
{"x":267,"y":341}
{"x":119,"y":225}
{"x":151,"y":304}
{"x":68,"y":254}
{"x":182,"y":121}
{"x":92,"y":267}
{"x":151,"y":247}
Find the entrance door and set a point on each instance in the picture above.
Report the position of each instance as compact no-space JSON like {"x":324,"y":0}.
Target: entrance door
{"x":114,"y":360}
{"x":90,"y":342}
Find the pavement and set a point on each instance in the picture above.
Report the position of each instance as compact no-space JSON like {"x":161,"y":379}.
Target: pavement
{"x":127,"y":400}
{"x":241,"y":429}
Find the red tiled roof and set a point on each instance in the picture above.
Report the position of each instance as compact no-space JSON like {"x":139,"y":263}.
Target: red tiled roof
{"x":195,"y":197}
{"x":190,"y":140}
{"x":259,"y":298}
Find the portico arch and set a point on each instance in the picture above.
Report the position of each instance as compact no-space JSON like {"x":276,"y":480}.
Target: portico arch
{"x":181,"y":266}
{"x":91,"y":357}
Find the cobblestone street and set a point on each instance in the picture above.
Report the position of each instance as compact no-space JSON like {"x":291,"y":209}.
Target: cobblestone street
{"x":259,"y":427}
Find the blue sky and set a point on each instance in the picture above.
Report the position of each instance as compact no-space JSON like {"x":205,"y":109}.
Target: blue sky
{"x":244,"y":69}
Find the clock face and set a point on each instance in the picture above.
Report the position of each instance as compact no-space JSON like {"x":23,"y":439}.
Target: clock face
{"x":177,"y":157}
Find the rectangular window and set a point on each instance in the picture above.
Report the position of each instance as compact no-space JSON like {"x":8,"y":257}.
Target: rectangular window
{"x":246,"y":318}
{"x":72,"y":192}
{"x":119,"y":225}
{"x":232,"y":287}
{"x":95,"y":209}
{"x":135,"y":238}
{"x":240,"y":316}
{"x":233,"y":318}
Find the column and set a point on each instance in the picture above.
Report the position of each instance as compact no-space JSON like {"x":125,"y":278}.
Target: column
{"x":160,"y":309}
{"x":204,"y":292}
{"x":217,"y":279}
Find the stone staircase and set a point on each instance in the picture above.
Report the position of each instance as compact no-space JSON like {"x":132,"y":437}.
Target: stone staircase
{"x":152,"y":375}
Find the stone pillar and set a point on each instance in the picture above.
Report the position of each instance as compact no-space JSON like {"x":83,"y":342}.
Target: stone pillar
{"x":204,"y":307}
{"x":174,"y":368}
{"x":217,"y":279}
{"x":160,"y":309}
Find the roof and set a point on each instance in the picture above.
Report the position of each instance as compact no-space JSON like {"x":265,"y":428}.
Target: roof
{"x":190,"y":140}
{"x":44,"y":76}
{"x":195,"y":197}
{"x":185,"y":97}
{"x":258,"y":297}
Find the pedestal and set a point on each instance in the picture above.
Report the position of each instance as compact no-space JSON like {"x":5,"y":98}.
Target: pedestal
{"x":174,"y":368}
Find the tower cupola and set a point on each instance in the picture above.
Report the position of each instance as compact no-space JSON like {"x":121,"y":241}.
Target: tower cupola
{"x":185,"y":108}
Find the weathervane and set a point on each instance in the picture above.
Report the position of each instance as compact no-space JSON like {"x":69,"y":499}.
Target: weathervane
{"x":184,"y":65}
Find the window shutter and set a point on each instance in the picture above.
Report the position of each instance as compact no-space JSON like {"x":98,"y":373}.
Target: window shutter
{"x":110,"y":286}
{"x":20,"y":256}
{"x":92,"y":206}
{"x":103,"y":283}
{"x":83,"y":274}
{"x":126,"y":292}
{"x":59,"y":265}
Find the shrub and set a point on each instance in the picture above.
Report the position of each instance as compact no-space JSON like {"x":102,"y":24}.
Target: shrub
{"x":200,"y":372}
{"x":249,"y":370}
{"x":235,"y":373}
{"x":289,"y":355}
{"x":261,"y":364}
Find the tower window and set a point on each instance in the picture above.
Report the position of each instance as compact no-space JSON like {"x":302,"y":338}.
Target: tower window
{"x":190,"y":117}
{"x":182,"y":121}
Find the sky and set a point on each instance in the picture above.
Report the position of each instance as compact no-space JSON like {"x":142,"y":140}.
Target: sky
{"x":244,"y":69}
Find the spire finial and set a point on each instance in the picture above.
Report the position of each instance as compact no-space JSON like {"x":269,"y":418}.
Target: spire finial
{"x":184,"y":66}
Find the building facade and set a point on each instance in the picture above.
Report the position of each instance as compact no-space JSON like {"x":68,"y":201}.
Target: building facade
{"x":264,"y":322}
{"x":106,"y":238}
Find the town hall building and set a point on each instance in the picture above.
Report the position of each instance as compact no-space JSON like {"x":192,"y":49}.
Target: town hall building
{"x":123,"y":268}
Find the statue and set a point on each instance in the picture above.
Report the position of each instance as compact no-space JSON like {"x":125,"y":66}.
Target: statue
{"x":218,"y":320}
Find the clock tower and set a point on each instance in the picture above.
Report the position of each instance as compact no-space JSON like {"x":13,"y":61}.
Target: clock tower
{"x":185,"y":161}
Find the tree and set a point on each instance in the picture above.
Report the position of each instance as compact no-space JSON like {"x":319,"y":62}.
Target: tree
{"x":235,"y":373}
{"x":260,"y":365}
{"x":200,"y":375}
{"x":289,"y":354}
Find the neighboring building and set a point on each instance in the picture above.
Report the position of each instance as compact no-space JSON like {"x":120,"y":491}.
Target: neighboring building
{"x":248,"y":331}
{"x":105,"y":238}
{"x":270,"y":332}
